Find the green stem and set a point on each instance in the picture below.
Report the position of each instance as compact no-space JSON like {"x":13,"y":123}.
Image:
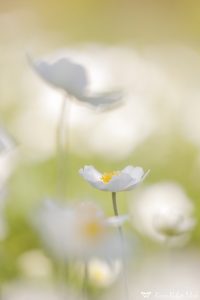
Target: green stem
{"x":85,"y":281}
{"x":116,"y":213}
{"x":61,"y":151}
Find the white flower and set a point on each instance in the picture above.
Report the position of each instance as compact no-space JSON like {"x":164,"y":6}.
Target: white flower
{"x":102,"y":273}
{"x":7,"y":156}
{"x":163,"y":212}
{"x":79,"y":231}
{"x":3,"y":223}
{"x":33,"y":290}
{"x":174,"y":225}
{"x":114,"y":181}
{"x":117,"y":221}
{"x":72,"y":78}
{"x":34,"y":264}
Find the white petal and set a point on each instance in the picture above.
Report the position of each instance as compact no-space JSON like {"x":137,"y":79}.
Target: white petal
{"x":90,"y":174}
{"x":135,"y":172}
{"x":104,"y":100}
{"x":100,"y":185}
{"x":117,"y":221}
{"x":63,"y":74}
{"x":187,"y":225}
{"x":119,"y":183}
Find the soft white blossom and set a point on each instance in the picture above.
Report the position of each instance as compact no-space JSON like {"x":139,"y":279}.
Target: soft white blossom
{"x":175,"y":225}
{"x":102,"y":273}
{"x":72,"y":78}
{"x":34,"y":264}
{"x":159,"y":276}
{"x":114,"y":181}
{"x":117,"y":221}
{"x":29,"y":290}
{"x":79,"y":231}
{"x":7,"y":156}
{"x":163,"y":212}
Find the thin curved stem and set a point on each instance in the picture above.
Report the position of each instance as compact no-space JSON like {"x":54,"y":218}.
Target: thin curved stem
{"x":115,"y":209}
{"x":116,"y":213}
{"x":85,"y":281}
{"x":61,"y":155}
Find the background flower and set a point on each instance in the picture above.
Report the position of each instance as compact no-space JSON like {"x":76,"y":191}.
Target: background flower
{"x":79,"y":231}
{"x":72,"y":78}
{"x":163,"y":212}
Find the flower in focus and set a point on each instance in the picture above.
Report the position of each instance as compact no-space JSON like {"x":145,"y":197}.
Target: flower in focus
{"x":79,"y":231}
{"x":72,"y":78}
{"x":163,"y":212}
{"x":115,"y":181}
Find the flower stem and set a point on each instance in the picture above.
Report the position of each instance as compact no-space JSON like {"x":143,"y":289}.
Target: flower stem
{"x":116,"y":213}
{"x":115,"y":209}
{"x":61,"y":151}
{"x":85,"y":281}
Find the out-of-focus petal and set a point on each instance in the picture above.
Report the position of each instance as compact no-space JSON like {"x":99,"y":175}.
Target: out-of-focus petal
{"x":104,"y":100}
{"x":117,"y":221}
{"x":64,"y":74}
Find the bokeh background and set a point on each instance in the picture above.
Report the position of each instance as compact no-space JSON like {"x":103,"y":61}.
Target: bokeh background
{"x":150,"y":50}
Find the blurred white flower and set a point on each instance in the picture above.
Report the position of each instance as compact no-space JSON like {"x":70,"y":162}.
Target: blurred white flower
{"x":175,"y":225}
{"x":3,"y":224}
{"x":102,"y":273}
{"x":79,"y":231}
{"x":108,"y":68}
{"x":35,"y":264}
{"x":26,"y":290}
{"x":72,"y":78}
{"x":161,"y":276}
{"x":7,"y":156}
{"x":114,"y":181}
{"x":117,"y":221}
{"x":163,"y":212}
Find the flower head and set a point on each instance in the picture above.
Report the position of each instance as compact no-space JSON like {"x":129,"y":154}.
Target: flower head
{"x":102,"y":273}
{"x":164,"y":213}
{"x":8,"y":155}
{"x":175,"y":225}
{"x":114,"y":181}
{"x":79,"y":231}
{"x":72,"y":78}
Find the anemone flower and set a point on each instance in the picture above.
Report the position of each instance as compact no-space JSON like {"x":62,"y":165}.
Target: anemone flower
{"x":164,"y":213}
{"x":79,"y":231}
{"x":72,"y":79}
{"x":114,"y":181}
{"x":174,"y":224}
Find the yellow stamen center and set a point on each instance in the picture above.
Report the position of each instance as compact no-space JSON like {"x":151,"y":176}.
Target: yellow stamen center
{"x":106,"y":177}
{"x":93,"y":229}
